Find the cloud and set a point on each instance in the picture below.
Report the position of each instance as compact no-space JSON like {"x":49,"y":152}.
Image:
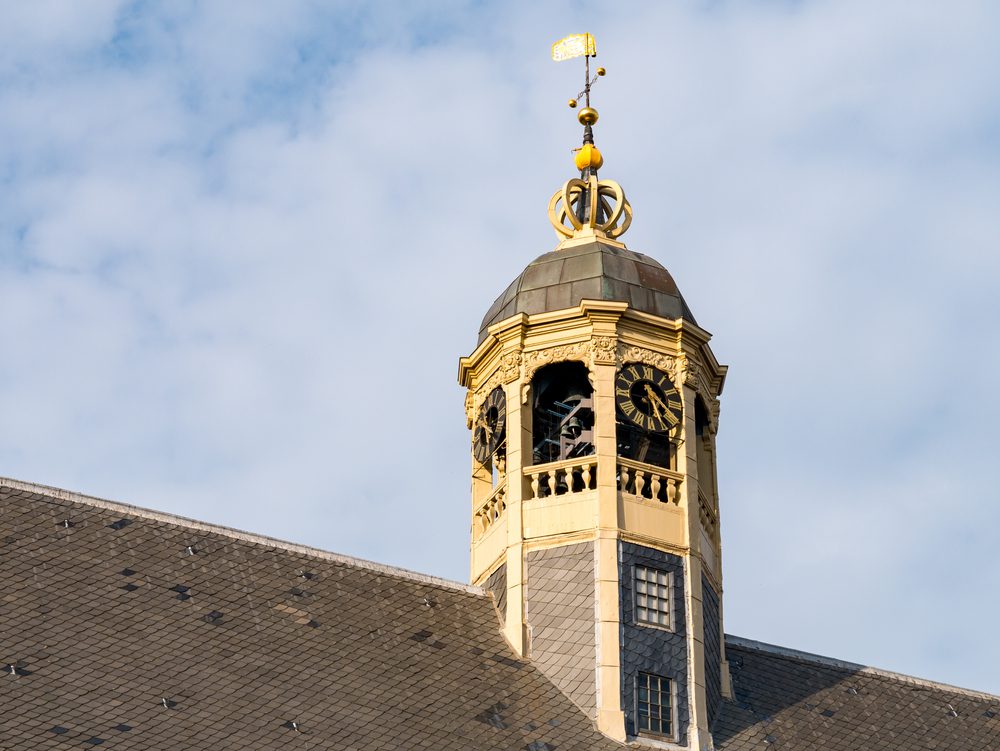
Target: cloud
{"x":242,"y":249}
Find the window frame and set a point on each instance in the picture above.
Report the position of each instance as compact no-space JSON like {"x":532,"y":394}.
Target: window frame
{"x":672,"y":693}
{"x":671,"y":604}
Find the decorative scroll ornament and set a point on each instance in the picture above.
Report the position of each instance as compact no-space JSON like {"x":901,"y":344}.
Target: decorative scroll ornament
{"x":665,"y":363}
{"x":510,"y":366}
{"x":590,"y":206}
{"x":604,"y":349}
{"x":470,"y":410}
{"x":687,"y":371}
{"x":579,"y":352}
{"x":507,"y":371}
{"x":713,"y":416}
{"x":495,"y":379}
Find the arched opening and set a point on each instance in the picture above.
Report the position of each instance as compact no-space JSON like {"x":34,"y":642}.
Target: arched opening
{"x":562,"y":415}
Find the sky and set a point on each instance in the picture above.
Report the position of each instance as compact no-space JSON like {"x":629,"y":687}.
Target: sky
{"x":243,"y":245}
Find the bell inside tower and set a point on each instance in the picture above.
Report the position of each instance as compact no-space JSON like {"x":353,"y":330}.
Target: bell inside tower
{"x":562,"y":413}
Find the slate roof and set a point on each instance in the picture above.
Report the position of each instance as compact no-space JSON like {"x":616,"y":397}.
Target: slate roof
{"x":128,"y":629}
{"x":121,"y":638}
{"x":592,"y":271}
{"x":785,"y":699}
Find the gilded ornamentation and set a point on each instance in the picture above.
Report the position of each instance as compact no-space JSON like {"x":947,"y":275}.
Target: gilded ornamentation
{"x":603,"y":217}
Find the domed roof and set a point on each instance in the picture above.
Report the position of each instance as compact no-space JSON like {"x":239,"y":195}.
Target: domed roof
{"x":593,"y":271}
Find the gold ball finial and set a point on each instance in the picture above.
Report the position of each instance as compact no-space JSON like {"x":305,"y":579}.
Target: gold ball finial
{"x":601,"y":72}
{"x":572,"y":104}
{"x":587,"y":116}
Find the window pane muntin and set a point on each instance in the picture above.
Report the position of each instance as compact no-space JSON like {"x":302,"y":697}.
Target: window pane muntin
{"x":653,"y":705}
{"x":652,"y":596}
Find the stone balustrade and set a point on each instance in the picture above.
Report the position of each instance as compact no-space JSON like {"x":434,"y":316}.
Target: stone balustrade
{"x":709,"y":519}
{"x":649,"y":481}
{"x":567,"y":476}
{"x":490,"y":510}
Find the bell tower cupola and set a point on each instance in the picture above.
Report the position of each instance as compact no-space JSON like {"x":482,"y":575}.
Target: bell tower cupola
{"x":593,"y":401}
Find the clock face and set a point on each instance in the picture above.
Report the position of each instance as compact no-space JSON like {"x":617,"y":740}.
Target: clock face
{"x":491,"y":424}
{"x":646,"y":396}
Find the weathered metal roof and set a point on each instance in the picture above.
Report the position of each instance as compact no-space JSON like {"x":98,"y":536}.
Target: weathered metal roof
{"x":593,"y":271}
{"x":129,"y":629}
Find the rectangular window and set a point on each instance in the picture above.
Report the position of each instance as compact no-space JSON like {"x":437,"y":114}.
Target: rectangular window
{"x":652,"y":597}
{"x":654,"y":705}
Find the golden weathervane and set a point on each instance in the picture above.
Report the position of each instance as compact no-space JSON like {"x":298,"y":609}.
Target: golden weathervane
{"x":583,"y":207}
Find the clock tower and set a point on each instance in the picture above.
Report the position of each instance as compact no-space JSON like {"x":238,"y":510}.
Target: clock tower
{"x":593,"y":400}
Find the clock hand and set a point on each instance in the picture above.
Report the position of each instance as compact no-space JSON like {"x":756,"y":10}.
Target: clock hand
{"x":482,"y":423}
{"x":654,"y":400}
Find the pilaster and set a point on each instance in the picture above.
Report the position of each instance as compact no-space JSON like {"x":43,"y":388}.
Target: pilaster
{"x":518,"y":448}
{"x":699,"y":734}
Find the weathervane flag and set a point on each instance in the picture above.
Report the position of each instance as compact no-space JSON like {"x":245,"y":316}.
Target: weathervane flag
{"x":575,"y":45}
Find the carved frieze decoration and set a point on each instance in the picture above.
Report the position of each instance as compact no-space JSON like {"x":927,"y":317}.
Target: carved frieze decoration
{"x":604,"y":349}
{"x":580,"y":352}
{"x":506,"y":371}
{"x":686,"y":371}
{"x":495,"y":379}
{"x":666,"y":363}
{"x":682,"y":369}
{"x":510,"y":366}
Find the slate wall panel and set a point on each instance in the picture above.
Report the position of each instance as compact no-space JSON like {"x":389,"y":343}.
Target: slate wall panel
{"x":713,"y":650}
{"x":497,"y":584}
{"x":561,"y":613}
{"x":649,"y":649}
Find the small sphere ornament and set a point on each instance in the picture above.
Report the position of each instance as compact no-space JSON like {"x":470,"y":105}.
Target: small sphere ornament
{"x":587,"y":116}
{"x":572,"y":104}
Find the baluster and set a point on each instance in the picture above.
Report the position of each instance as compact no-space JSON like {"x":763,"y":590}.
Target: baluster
{"x":623,"y":472}
{"x":552,"y":483}
{"x":640,"y":481}
{"x":534,"y":485}
{"x":671,"y":490}
{"x":585,"y":475}
{"x":655,"y":487}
